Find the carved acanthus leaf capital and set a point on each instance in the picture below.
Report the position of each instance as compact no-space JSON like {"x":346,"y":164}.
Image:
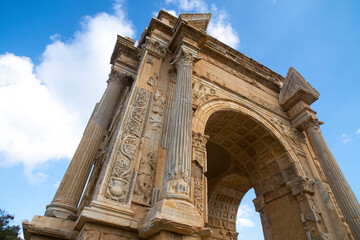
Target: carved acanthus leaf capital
{"x":154,"y":47}
{"x":185,"y":56}
{"x":199,"y":140}
{"x":120,"y":77}
{"x":301,"y":185}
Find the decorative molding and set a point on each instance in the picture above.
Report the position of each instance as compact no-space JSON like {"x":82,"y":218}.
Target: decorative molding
{"x":296,"y":89}
{"x":263,"y":103}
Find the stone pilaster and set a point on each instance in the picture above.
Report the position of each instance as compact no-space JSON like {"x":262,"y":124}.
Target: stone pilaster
{"x":259,"y":204}
{"x":175,"y":207}
{"x":67,"y":197}
{"x":344,"y":195}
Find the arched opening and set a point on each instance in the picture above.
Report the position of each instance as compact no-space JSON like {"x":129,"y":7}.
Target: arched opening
{"x":243,"y":154}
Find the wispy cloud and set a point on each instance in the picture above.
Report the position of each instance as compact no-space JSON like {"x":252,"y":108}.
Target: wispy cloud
{"x":56,"y":184}
{"x":189,"y":5}
{"x":243,"y":217}
{"x":219,"y":26}
{"x":358,"y":131}
{"x":42,"y":114}
{"x":345,"y":138}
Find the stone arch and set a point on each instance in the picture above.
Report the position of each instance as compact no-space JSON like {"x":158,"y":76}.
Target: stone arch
{"x":205,"y":110}
{"x":268,"y":169}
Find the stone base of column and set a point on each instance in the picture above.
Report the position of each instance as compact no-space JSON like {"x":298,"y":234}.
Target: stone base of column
{"x":42,"y":227}
{"x":108,"y":215}
{"x":173,"y":215}
{"x":61,"y":210}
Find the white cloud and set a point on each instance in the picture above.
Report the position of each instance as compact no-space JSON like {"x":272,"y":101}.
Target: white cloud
{"x":221,"y":29}
{"x":56,"y":184}
{"x":79,"y":67}
{"x":189,"y":5}
{"x":243,"y":216}
{"x":358,"y":131}
{"x":43,"y":113}
{"x":219,"y":26}
{"x":34,"y":126}
{"x":172,"y":12}
{"x":345,"y":138}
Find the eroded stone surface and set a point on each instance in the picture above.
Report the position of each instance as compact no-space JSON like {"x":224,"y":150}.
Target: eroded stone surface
{"x":185,"y":128}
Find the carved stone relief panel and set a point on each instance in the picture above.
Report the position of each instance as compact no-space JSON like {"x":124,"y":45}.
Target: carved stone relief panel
{"x":145,"y":179}
{"x":119,"y":182}
{"x":198,"y":169}
{"x":157,"y":110}
{"x":152,"y":81}
{"x":311,"y":217}
{"x":201,"y":93}
{"x":144,"y":186}
{"x":223,"y":205}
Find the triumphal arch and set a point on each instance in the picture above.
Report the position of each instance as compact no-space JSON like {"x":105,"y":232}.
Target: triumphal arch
{"x":186,"y":126}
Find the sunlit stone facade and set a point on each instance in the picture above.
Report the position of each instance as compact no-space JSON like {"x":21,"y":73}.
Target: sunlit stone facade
{"x":186,"y":126}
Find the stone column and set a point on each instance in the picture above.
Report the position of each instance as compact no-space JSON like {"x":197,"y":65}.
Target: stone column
{"x":175,"y":212}
{"x":344,"y":195}
{"x":178,"y":157}
{"x":67,"y":197}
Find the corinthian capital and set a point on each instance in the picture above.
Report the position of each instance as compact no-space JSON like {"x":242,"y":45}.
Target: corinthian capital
{"x":185,"y":56}
{"x":120,"y":77}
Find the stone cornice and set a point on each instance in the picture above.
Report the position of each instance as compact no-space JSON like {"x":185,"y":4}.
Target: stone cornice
{"x":125,"y":46}
{"x":243,"y":63}
{"x":156,"y":23}
{"x":186,"y":34}
{"x":163,"y":14}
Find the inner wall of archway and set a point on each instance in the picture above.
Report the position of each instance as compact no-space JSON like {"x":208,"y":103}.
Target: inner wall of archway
{"x":241,"y":154}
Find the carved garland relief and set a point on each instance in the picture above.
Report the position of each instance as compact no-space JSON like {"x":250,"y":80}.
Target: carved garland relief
{"x":118,"y":186}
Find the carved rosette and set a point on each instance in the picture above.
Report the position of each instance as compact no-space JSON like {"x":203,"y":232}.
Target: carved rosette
{"x":119,"y":182}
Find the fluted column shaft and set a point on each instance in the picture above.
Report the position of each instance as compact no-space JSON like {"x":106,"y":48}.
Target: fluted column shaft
{"x":178,"y":157}
{"x":344,"y":195}
{"x":67,"y":197}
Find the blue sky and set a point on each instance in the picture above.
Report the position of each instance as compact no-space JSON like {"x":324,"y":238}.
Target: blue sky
{"x":54,"y":61}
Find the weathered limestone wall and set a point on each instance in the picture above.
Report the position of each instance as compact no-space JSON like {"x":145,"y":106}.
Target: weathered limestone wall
{"x":146,"y":146}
